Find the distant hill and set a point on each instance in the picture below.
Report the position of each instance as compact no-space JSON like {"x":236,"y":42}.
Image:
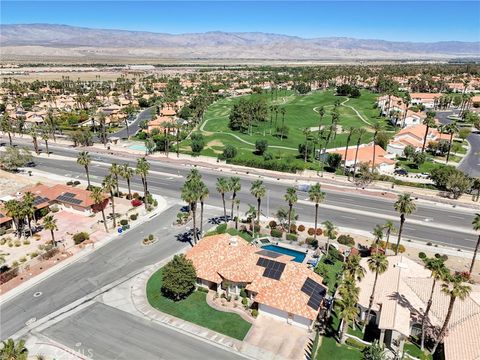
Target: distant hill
{"x":39,"y":41}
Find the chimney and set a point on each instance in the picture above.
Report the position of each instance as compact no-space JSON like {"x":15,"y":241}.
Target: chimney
{"x":233,"y":241}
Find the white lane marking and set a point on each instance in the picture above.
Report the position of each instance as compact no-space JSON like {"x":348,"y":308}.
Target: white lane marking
{"x":348,"y":217}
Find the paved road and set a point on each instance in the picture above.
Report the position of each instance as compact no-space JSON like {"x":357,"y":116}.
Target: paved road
{"x":106,"y":333}
{"x":438,"y":224}
{"x":119,"y":258}
{"x":134,"y":127}
{"x":471,"y":162}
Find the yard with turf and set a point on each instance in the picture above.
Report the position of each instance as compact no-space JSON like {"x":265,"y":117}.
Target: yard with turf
{"x":196,"y":310}
{"x":301,"y":112}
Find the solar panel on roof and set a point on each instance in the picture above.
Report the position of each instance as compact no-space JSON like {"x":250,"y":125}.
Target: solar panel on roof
{"x":75,"y":201}
{"x":261,"y":262}
{"x":69,"y":194}
{"x":316,"y":292}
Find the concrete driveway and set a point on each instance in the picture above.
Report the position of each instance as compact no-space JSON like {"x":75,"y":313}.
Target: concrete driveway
{"x":281,"y":340}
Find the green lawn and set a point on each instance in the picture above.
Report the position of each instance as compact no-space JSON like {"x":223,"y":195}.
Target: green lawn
{"x":415,"y":351}
{"x":329,"y":272}
{"x":426,"y":167}
{"x":196,"y":310}
{"x":330,"y":349}
{"x":300,"y":114}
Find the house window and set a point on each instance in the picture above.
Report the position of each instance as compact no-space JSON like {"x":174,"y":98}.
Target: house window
{"x":416,"y":330}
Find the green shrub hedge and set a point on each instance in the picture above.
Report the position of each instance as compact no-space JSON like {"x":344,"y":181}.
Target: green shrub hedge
{"x":276,"y":233}
{"x":292,"y":237}
{"x":80,"y":237}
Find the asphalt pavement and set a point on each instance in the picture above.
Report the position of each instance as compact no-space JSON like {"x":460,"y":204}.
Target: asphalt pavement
{"x":105,"y":333}
{"x":134,"y":127}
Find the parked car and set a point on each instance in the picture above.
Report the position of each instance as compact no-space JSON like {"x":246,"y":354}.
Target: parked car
{"x":400,"y":172}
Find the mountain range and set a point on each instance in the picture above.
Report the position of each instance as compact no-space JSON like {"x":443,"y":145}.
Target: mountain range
{"x":44,"y":41}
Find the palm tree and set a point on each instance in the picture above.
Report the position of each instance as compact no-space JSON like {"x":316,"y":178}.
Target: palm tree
{"x":98,"y":198}
{"x":283,"y":111}
{"x":222,"y":187}
{"x":316,"y":195}
{"x":451,"y":129}
{"x":377,"y":233}
{"x":258,"y":190}
{"x":377,"y":127}
{"x":142,"y":169}
{"x":203,"y":195}
{"x":6,"y":127}
{"x":330,"y":231}
{"x":361,"y":132}
{"x":50,"y":223}
{"x":109,"y":186}
{"x":28,"y":209}
{"x":428,"y":122}
{"x":45,"y":137}
{"x":405,"y":206}
{"x":33,"y":134}
{"x":191,"y":194}
{"x":84,"y":160}
{"x":306,"y":132}
{"x":14,"y":210}
{"x":235,"y":187}
{"x":351,"y":131}
{"x":116,"y":170}
{"x":291,"y":198}
{"x":390,"y":227}
{"x":12,"y":351}
{"x":321,"y":113}
{"x":455,"y":288}
{"x":476,"y":227}
{"x":436,"y":265}
{"x":237,"y":203}
{"x":347,"y":308}
{"x":377,"y":264}
{"x":352,"y":267}
{"x":127,"y":173}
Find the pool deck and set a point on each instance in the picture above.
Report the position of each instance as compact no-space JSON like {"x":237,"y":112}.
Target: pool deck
{"x":308,"y":252}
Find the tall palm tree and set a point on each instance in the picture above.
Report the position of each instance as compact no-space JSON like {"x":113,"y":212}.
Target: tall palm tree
{"x":13,"y":351}
{"x":347,"y":306}
{"x":223,"y":186}
{"x":98,"y":198}
{"x":291,"y":198}
{"x":283,"y":111}
{"x":190,"y":194}
{"x":451,"y":129}
{"x":330,"y":231}
{"x":377,"y":264}
{"x":202,"y":196}
{"x":306,"y":132}
{"x":127,"y":173}
{"x":321,"y":114}
{"x":428,"y":122}
{"x":6,"y":127}
{"x":476,"y":227}
{"x":50,"y":223}
{"x":109,"y":186}
{"x":142,"y":169}
{"x":317,"y":196}
{"x":377,"y":127}
{"x":351,"y":132}
{"x":258,"y":190}
{"x":436,"y":265}
{"x":14,"y":210}
{"x":405,"y":206}
{"x":33,"y":134}
{"x":455,"y":288}
{"x":377,"y":233}
{"x":84,"y":160}
{"x":45,"y":132}
{"x":390,"y":227}
{"x":28,"y":209}
{"x":235,"y":187}
{"x":116,"y":170}
{"x":361,"y":132}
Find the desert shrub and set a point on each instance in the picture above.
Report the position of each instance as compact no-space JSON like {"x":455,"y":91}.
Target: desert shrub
{"x":243,"y":293}
{"x":301,"y":228}
{"x":2,"y":231}
{"x":311,"y":231}
{"x":346,"y":240}
{"x":221,"y":229}
{"x":54,"y":208}
{"x":136,"y":202}
{"x":292,"y":237}
{"x":69,"y":183}
{"x":254,"y":313}
{"x":272,"y":224}
{"x":23,"y":259}
{"x":293,"y":228}
{"x":135,"y":195}
{"x":17,"y":243}
{"x":150,"y":237}
{"x":276,"y":233}
{"x":319,"y":232}
{"x":76,"y":182}
{"x":26,"y":242}
{"x":202,"y":289}
{"x":33,"y":254}
{"x":422,"y":255}
{"x":311,"y":241}
{"x":133,"y":217}
{"x":80,"y":237}
{"x":3,"y":241}
{"x":123,"y":222}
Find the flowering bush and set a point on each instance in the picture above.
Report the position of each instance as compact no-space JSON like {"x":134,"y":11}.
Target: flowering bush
{"x":301,"y":228}
{"x":136,"y":203}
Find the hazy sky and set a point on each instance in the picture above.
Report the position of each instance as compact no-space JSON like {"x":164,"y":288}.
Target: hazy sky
{"x":389,"y":20}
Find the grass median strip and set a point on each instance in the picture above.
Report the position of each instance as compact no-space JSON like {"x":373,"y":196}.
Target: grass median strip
{"x":196,"y":310}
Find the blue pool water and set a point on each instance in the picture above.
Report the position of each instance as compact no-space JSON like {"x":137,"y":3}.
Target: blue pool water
{"x":137,"y":147}
{"x":298,"y":256}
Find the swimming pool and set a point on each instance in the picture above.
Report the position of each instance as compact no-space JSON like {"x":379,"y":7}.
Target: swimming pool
{"x":298,"y":255}
{"x":137,"y":147}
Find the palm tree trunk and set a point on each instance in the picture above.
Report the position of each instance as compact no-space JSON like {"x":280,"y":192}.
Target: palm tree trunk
{"x":425,"y":139}
{"x":233,"y":201}
{"x":88,"y":176}
{"x":316,"y":222}
{"x":289,"y":216}
{"x":46,"y":147}
{"x":10,"y":138}
{"x":343,"y":331}
{"x":145,"y":199}
{"x":370,"y":303}
{"x":53,"y":238}
{"x":129,"y":189}
{"x":345,"y":158}
{"x":355,"y":161}
{"x":259,"y":202}
{"x":194,"y":215}
{"x":388,"y":239}
{"x":425,"y":315}
{"x":236,"y":217}
{"x":474,"y":255}
{"x":113,"y":211}
{"x":445,"y":324}
{"x":201,"y":217}
{"x":400,"y":229}
{"x":224,"y":209}
{"x":374,"y":148}
{"x":104,"y":219}
{"x":449,"y":147}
